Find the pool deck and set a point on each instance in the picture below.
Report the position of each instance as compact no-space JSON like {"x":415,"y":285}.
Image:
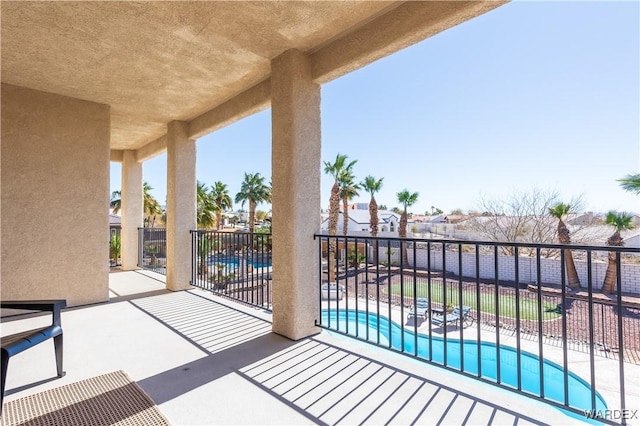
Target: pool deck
{"x":206,"y":360}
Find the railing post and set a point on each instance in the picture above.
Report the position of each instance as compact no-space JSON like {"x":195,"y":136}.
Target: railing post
{"x":193,"y":257}
{"x":140,"y":247}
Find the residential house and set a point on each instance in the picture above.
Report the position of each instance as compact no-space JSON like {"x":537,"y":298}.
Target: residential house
{"x":115,"y":224}
{"x":360,"y":223}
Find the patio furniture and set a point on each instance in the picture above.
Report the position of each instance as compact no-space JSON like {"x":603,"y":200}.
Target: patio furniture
{"x":16,"y":343}
{"x":421,"y":308}
{"x":455,"y":316}
{"x":332,"y":292}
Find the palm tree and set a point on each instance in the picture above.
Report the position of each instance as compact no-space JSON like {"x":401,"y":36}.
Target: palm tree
{"x":116,"y":201}
{"x":205,"y":208}
{"x":407,"y":199}
{"x":631,"y":183}
{"x":221,"y":201}
{"x":620,"y":222}
{"x":373,"y":185}
{"x":348,"y":190}
{"x":560,"y":211}
{"x":255,"y":191}
{"x":335,"y":169}
{"x":261,"y":215}
{"x":151,"y":207}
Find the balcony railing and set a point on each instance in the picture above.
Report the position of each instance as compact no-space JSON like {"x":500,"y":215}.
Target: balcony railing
{"x":498,"y":312}
{"x":152,"y":249}
{"x":236,"y":265}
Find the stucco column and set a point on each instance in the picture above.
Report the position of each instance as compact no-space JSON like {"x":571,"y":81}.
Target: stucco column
{"x":181,"y":204}
{"x":295,"y":165}
{"x":54,"y":161}
{"x":132,"y":208}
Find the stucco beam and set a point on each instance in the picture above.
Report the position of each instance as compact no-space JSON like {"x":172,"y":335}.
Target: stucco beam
{"x":152,"y":149}
{"x":255,"y":99}
{"x":405,"y":25}
{"x":116,"y":155}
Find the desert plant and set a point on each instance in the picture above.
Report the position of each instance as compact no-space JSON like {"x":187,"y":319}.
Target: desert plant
{"x":221,"y":201}
{"x":355,"y":258}
{"x":523,"y":216}
{"x":631,"y":183}
{"x":348,"y":190}
{"x":204,"y":245}
{"x":560,"y":211}
{"x":373,"y":185}
{"x":115,"y":244}
{"x":335,"y":169}
{"x":205,"y":208}
{"x":152,"y":249}
{"x":255,"y":191}
{"x":620,"y":222}
{"x":407,"y":199}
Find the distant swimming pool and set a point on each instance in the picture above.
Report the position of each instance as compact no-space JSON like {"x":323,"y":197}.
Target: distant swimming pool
{"x":553,"y":374}
{"x":234,"y":262}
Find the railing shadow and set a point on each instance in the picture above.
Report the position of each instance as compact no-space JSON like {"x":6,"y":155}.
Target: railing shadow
{"x":324,"y":382}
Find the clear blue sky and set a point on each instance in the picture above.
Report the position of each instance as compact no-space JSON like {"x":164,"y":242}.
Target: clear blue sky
{"x":532,"y":94}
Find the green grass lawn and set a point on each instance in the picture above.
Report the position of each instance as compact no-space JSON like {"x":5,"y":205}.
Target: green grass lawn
{"x":506,"y":304}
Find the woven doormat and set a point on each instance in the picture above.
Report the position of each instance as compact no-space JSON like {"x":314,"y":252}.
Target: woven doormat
{"x":110,"y":399}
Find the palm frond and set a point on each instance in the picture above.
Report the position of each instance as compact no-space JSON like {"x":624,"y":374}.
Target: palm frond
{"x":631,"y":183}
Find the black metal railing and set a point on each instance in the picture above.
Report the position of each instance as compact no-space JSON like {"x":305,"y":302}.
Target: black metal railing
{"x":499,"y":312}
{"x":152,"y":249}
{"x":236,"y":265}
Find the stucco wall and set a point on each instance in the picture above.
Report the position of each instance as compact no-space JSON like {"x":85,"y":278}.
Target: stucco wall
{"x":55,"y":192}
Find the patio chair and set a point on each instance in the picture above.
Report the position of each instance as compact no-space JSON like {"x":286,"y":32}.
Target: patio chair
{"x":16,"y":343}
{"x":420,"y":309}
{"x":455,"y":316}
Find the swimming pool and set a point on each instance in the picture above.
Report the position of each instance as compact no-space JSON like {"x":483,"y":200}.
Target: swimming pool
{"x":233,"y":262}
{"x":553,"y":374}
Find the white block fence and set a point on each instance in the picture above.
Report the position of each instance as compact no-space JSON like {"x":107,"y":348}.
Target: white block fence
{"x":550,"y":271}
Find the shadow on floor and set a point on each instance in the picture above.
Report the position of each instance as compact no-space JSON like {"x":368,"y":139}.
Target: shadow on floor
{"x":325,"y":383}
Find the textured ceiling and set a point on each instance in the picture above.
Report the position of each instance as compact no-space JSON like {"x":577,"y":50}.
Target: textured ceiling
{"x":154,"y":62}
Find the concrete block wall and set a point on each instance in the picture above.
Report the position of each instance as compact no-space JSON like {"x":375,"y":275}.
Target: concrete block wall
{"x":550,"y":269}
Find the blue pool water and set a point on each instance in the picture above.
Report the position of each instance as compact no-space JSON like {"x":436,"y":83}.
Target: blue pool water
{"x":233,"y":262}
{"x":579,"y":390}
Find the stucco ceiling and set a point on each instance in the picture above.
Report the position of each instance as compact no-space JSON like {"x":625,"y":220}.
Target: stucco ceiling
{"x":154,"y":62}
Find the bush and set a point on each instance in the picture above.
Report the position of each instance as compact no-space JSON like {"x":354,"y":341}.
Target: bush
{"x":114,"y":248}
{"x":355,"y":258}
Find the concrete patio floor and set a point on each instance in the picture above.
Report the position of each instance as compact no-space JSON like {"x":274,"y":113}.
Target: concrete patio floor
{"x":208,"y":361}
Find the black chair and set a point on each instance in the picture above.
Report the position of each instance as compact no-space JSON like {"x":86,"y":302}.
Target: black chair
{"x":16,"y":343}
